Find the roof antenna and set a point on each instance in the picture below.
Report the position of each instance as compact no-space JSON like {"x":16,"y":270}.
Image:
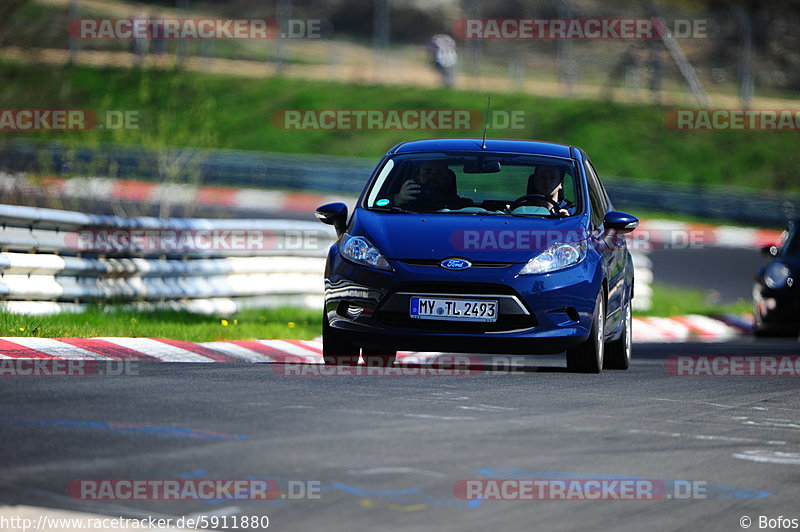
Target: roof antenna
{"x":486,"y":122}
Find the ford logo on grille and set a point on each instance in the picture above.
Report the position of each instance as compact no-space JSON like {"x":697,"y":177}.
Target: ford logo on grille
{"x":455,"y":264}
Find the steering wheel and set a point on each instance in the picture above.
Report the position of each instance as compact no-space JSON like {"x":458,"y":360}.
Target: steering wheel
{"x":529,"y":198}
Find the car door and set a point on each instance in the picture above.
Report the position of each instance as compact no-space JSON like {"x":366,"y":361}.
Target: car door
{"x":612,"y":248}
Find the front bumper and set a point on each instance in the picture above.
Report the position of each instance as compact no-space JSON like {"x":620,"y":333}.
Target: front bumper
{"x":537,"y":313}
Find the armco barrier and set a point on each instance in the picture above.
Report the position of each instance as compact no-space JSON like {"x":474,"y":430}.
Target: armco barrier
{"x":53,"y":260}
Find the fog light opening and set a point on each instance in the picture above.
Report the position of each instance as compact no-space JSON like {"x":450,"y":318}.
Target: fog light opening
{"x":354,"y":311}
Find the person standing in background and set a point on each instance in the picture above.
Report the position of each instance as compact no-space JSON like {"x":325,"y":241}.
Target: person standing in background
{"x":442,"y":49}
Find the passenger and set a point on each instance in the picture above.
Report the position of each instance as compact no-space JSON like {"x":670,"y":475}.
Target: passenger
{"x":433,"y":189}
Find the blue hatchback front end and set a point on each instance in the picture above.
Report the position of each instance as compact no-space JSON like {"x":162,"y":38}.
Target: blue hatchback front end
{"x":485,"y":263}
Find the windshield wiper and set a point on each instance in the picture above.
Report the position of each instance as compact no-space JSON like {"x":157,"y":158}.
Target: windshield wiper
{"x":523,"y":215}
{"x":392,"y":208}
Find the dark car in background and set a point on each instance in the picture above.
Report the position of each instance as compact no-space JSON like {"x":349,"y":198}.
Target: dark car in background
{"x":776,"y":292}
{"x":471,"y":246}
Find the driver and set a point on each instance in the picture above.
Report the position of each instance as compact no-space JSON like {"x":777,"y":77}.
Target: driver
{"x":433,"y":189}
{"x":548,"y":180}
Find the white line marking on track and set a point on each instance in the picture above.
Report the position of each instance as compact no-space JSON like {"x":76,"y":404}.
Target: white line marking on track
{"x":769,"y":457}
{"x":712,"y":437}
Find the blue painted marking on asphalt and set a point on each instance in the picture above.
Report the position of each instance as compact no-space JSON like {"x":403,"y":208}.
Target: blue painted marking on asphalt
{"x":193,"y":474}
{"x":474,"y":503}
{"x":374,"y":493}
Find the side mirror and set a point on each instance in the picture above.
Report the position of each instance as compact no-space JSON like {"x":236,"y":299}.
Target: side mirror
{"x":620,"y":222}
{"x":770,"y":251}
{"x":334,"y":214}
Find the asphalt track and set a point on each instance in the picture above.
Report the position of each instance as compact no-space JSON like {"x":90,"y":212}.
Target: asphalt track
{"x":724,"y":273}
{"x":387,"y":451}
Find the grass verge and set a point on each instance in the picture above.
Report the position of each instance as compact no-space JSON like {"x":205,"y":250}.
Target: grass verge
{"x":214,"y":111}
{"x":255,"y":324}
{"x":669,"y":300}
{"x":264,"y":324}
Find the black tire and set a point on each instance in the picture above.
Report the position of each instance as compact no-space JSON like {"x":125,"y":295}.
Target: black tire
{"x":335,"y":350}
{"x":588,"y":357}
{"x":618,"y":353}
{"x":761,"y":329}
{"x":378,"y":358}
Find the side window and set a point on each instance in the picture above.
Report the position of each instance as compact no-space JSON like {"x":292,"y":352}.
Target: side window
{"x":595,"y":195}
{"x":604,"y":194}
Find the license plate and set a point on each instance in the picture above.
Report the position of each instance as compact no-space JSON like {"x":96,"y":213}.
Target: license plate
{"x":429,"y":308}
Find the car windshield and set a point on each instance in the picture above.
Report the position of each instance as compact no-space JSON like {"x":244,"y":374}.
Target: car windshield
{"x":482,"y":183}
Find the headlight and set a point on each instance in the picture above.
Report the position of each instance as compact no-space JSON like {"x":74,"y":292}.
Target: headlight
{"x":556,"y":257}
{"x":776,"y":275}
{"x":359,"y":250}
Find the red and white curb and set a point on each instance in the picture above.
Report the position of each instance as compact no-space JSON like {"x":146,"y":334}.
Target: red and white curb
{"x":274,"y":201}
{"x":657,"y":234}
{"x":691,"y":328}
{"x":161,"y":350}
{"x":676,"y":329}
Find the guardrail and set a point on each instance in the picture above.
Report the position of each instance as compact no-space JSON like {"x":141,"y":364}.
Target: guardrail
{"x":53,"y":260}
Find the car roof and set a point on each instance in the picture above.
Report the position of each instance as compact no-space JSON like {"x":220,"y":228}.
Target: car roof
{"x":532,"y":147}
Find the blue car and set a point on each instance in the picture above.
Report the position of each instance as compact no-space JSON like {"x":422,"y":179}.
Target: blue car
{"x":480,"y":246}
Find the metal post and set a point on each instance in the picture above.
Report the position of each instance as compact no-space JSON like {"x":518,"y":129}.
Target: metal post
{"x":74,"y":44}
{"x":567,"y":68}
{"x":684,"y":66}
{"x":284,"y":13}
{"x":745,"y":58}
{"x":380,"y":33}
{"x":183,"y":11}
{"x":473,"y":66}
{"x":516,"y":69}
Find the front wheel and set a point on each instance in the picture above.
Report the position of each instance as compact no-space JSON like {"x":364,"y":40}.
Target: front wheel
{"x":618,"y":352}
{"x":336,"y":351}
{"x":588,"y":356}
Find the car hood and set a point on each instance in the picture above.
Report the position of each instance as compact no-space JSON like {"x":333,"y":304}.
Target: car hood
{"x":470,"y":236}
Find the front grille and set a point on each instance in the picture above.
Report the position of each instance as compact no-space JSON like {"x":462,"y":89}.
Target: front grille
{"x":475,"y":264}
{"x":436,"y":287}
{"x":504,"y":323}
